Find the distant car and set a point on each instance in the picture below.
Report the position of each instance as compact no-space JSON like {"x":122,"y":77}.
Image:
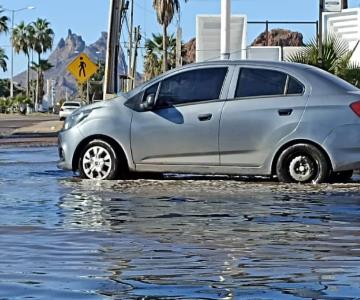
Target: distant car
{"x":67,"y":108}
{"x":293,"y":121}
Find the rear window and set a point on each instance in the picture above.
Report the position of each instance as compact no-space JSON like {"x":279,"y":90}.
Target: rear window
{"x":71,"y":104}
{"x":333,"y":80}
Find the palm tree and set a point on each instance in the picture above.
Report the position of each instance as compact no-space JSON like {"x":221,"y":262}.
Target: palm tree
{"x":3,"y":21}
{"x":23,"y":42}
{"x":40,"y":68}
{"x":154,"y":55}
{"x":165,"y":10}
{"x":3,"y":28}
{"x":43,"y":41}
{"x":336,"y":58}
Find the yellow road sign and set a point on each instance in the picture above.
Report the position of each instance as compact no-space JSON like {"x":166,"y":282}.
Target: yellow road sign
{"x":82,"y":68}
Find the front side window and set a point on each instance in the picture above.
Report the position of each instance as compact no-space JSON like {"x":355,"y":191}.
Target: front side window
{"x":263,"y":82}
{"x":192,"y":86}
{"x":151,"y":90}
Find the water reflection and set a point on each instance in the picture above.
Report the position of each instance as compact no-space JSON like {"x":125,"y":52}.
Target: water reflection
{"x":181,"y":238}
{"x":237,"y":243}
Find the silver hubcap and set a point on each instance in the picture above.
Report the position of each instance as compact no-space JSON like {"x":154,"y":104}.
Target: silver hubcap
{"x":97,"y":163}
{"x":301,"y":168}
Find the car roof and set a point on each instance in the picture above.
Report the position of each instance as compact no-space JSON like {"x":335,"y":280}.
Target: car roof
{"x":319,"y":81}
{"x":263,"y":63}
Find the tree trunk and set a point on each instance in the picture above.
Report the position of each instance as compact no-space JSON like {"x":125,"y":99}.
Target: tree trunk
{"x":37,"y":98}
{"x":165,"y":58}
{"x":28,"y":77}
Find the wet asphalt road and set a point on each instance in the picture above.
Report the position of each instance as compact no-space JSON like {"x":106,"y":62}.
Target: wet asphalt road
{"x":180,"y":238}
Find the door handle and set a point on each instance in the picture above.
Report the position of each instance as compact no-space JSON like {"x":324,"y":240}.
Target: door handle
{"x":285,"y":112}
{"x":205,"y":117}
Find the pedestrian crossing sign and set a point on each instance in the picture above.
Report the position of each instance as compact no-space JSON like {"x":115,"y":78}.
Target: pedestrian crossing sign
{"x":82,"y":68}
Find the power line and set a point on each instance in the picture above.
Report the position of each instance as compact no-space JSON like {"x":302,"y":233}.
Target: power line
{"x":145,"y":9}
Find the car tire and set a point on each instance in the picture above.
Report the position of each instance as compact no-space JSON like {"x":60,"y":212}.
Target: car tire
{"x":342,"y":176}
{"x":302,"y":163}
{"x":99,"y":161}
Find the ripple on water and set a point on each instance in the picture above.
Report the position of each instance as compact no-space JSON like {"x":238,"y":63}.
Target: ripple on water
{"x":186,"y":237}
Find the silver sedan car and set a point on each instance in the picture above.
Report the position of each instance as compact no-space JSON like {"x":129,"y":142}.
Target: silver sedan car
{"x":288,"y":120}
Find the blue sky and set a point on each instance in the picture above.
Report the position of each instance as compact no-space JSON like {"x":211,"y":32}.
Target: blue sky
{"x":89,"y":17}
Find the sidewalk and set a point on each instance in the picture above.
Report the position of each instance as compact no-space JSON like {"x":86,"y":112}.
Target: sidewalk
{"x":47,"y":128}
{"x":29,"y":131}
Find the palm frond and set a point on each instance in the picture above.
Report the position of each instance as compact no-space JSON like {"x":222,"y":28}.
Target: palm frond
{"x":3,"y":59}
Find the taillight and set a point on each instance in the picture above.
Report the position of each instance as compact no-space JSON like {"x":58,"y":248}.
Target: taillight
{"x":356,"y":107}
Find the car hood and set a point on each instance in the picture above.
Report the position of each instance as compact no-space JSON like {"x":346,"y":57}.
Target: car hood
{"x":103,"y":104}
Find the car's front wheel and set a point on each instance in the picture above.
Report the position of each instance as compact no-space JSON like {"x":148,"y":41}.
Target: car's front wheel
{"x":302,"y":163}
{"x":99,"y":161}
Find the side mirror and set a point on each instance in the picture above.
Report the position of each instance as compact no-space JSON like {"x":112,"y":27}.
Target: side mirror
{"x":149,"y":102}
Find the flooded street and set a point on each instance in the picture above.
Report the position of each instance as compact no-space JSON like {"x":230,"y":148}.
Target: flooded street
{"x":180,"y":238}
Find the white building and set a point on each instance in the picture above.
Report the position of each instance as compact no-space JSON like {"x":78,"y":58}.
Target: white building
{"x":345,"y":25}
{"x":208,"y":29}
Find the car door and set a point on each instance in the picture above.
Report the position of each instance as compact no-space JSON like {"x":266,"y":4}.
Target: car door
{"x":183,"y":127}
{"x":266,"y":106}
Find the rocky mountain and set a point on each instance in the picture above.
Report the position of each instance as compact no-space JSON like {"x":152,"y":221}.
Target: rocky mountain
{"x":66,"y":50}
{"x":276,"y":37}
{"x":189,"y":51}
{"x":279,"y":37}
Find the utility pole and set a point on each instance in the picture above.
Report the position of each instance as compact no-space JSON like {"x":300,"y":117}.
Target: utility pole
{"x":131,"y":45}
{"x":137,"y":39}
{"x":225,"y":28}
{"x":320,"y":54}
{"x":116,"y":13}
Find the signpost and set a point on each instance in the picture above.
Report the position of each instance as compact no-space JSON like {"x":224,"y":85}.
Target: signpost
{"x":82,"y":68}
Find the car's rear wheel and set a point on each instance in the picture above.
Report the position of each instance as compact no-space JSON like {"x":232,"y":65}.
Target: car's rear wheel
{"x":302,"y":163}
{"x":99,"y":161}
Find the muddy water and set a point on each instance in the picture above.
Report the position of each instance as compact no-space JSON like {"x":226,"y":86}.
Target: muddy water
{"x":180,"y":238}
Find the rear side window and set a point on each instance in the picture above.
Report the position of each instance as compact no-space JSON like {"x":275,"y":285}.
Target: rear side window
{"x":192,"y":86}
{"x":263,"y":82}
{"x":294,"y":87}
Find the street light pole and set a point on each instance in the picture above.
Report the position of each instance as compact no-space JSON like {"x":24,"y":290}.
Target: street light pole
{"x":225,"y":28}
{"x":12,"y":55}
{"x":13,"y":11}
